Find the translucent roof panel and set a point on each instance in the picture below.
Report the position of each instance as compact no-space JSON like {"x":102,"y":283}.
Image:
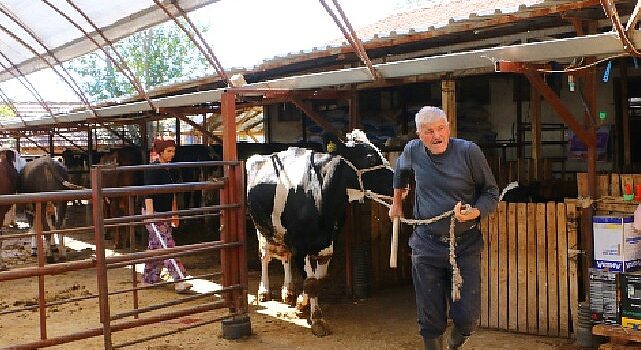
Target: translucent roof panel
{"x":28,"y":20}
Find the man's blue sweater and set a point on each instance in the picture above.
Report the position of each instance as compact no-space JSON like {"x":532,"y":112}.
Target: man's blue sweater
{"x":461,"y":173}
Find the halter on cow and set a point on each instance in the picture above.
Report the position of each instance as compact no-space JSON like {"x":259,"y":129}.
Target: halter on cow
{"x":297,"y":199}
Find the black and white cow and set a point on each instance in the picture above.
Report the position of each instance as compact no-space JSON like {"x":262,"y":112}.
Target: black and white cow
{"x":297,"y":199}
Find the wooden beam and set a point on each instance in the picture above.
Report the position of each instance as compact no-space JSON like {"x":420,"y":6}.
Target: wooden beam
{"x":177,"y":131}
{"x":228,"y":113}
{"x":590,"y":125}
{"x":198,"y":127}
{"x":204,"y":125}
{"x":625,"y":115}
{"x":535,"y":130}
{"x":187,"y":110}
{"x":557,"y":105}
{"x":307,"y":108}
{"x":354,"y":112}
{"x":634,"y":17}
{"x":448,"y":98}
{"x":118,"y":134}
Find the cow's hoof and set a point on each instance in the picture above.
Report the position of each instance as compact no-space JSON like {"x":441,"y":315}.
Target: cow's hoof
{"x":320,"y":328}
{"x":289,"y":299}
{"x":302,"y":311}
{"x":264,"y":296}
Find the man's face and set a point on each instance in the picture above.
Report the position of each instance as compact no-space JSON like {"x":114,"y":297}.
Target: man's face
{"x":435,"y":135}
{"x":167,"y":154}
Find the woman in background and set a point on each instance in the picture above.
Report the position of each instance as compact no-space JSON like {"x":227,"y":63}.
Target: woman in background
{"x":160,"y":232}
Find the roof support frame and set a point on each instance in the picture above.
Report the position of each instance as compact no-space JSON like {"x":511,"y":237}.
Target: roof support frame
{"x":634,"y":17}
{"x":203,"y":46}
{"x":69,"y":80}
{"x":121,"y":64}
{"x":350,"y":35}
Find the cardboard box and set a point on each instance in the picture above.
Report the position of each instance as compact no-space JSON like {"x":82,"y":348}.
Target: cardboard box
{"x":603,"y":297}
{"x":617,"y":246}
{"x":630,"y":300}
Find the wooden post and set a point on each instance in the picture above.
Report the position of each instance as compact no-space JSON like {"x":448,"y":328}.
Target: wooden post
{"x":448,"y":94}
{"x":51,"y":145}
{"x":89,"y":147}
{"x":535,"y":129}
{"x":227,"y":257}
{"x":518,"y":82}
{"x":177,"y":131}
{"x":205,"y":137}
{"x":625,"y":116}
{"x":354,"y":111}
{"x":144,"y":141}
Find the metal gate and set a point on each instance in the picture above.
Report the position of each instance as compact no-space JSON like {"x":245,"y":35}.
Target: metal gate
{"x":232,"y":295}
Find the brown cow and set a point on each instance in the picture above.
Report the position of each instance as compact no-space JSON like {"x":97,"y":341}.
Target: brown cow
{"x":119,"y":206}
{"x":8,"y":178}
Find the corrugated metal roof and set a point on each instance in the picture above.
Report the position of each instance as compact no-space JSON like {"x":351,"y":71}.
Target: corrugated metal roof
{"x":451,"y":16}
{"x":441,"y":15}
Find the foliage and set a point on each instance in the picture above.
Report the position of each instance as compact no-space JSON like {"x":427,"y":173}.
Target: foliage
{"x":155,"y":56}
{"x":5,"y":111}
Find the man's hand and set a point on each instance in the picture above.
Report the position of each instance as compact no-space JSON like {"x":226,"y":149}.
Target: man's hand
{"x":465,"y":215}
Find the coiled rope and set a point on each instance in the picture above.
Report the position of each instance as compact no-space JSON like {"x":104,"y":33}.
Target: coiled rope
{"x":457,"y":279}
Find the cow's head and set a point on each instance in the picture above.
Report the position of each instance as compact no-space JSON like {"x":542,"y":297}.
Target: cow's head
{"x":372,"y":168}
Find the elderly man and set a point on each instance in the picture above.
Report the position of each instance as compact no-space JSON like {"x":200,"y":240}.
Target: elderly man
{"x":448,"y":173}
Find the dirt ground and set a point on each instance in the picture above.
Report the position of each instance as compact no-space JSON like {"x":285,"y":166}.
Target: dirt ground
{"x":386,"y":320}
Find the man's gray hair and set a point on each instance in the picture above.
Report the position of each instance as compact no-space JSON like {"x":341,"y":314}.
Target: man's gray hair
{"x":429,"y":114}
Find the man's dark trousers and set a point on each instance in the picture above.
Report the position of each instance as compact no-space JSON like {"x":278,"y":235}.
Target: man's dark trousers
{"x":432,"y":278}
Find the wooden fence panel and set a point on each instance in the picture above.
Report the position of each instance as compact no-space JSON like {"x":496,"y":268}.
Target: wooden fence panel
{"x":573,"y":262}
{"x":541,"y":268}
{"x":553,"y":295}
{"x":564,"y":320}
{"x":494,"y":270}
{"x":512,"y":268}
{"x":522,"y":259}
{"x":532,"y":291}
{"x":503,"y":266}
{"x":485,"y":263}
{"x":616,"y":185}
{"x":529,"y":276}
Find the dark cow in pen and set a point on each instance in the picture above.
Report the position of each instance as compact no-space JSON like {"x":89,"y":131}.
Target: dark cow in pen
{"x":297,"y":199}
{"x":47,"y":175}
{"x":8,"y":178}
{"x":119,"y":206}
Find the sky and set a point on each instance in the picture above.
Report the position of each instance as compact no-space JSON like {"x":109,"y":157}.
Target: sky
{"x":243,"y":33}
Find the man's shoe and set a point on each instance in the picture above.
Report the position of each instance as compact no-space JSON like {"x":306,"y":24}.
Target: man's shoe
{"x":432,"y":343}
{"x":183,"y":288}
{"x":456,"y":339}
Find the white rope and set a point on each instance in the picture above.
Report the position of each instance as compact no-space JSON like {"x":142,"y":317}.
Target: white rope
{"x":457,"y":279}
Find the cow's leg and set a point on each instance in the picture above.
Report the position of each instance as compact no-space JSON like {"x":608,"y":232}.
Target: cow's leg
{"x":50,"y":240}
{"x":316,"y":268}
{"x":287,"y":293}
{"x":34,"y":244}
{"x":265,"y":257}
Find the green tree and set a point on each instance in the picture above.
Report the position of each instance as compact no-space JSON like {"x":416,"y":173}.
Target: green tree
{"x":156,"y":56}
{"x":6,"y":112}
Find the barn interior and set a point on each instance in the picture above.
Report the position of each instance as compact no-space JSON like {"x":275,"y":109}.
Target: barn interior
{"x":548,"y":89}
